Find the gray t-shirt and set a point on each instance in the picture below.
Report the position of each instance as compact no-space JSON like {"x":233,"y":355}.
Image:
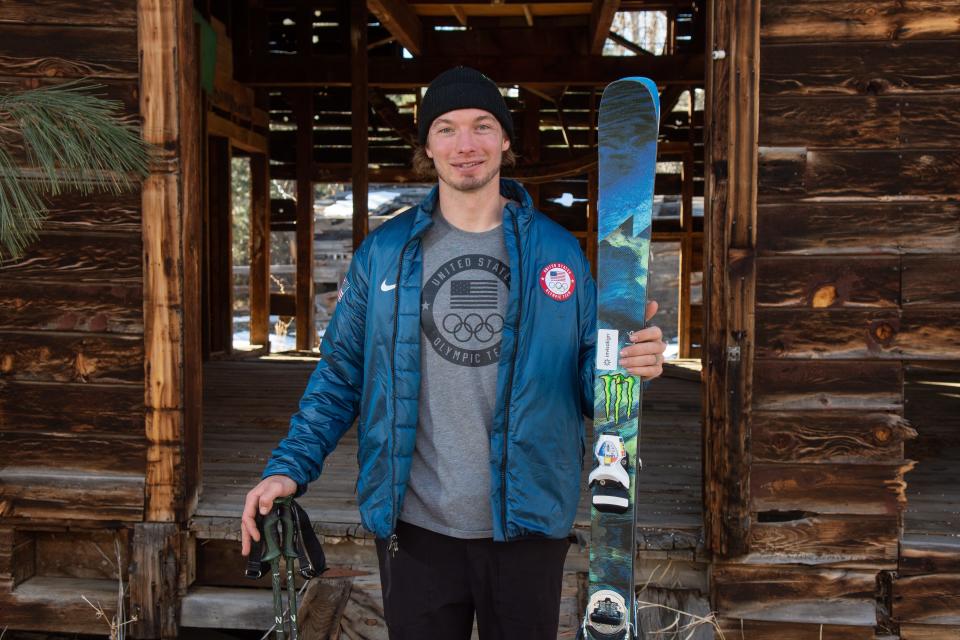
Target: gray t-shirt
{"x":465,"y":282}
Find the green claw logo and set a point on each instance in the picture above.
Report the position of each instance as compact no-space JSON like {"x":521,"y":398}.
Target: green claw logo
{"x":618,"y":388}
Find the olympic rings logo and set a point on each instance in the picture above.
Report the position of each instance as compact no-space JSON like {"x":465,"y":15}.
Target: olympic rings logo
{"x":473,"y":326}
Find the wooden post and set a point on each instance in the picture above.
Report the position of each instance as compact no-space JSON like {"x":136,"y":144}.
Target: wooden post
{"x":303,"y":107}
{"x":169,"y":106}
{"x":219,"y":245}
{"x":154,"y":578}
{"x":731,"y":124}
{"x":359,"y":177}
{"x":686,"y":253}
{"x":259,"y":248}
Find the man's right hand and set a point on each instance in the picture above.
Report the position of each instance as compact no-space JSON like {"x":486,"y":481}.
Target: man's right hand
{"x":262,"y":497}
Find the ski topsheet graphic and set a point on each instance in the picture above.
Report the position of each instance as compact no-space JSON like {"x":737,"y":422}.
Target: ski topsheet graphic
{"x":628,"y":127}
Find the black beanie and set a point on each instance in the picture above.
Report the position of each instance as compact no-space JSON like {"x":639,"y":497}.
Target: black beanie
{"x":462,"y":88}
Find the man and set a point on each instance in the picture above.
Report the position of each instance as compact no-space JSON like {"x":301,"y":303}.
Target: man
{"x":464,"y":341}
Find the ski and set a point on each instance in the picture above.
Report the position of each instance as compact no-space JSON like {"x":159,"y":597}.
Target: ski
{"x":628,"y":127}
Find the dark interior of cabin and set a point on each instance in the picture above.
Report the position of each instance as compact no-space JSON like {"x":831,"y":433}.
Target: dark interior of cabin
{"x":310,"y":130}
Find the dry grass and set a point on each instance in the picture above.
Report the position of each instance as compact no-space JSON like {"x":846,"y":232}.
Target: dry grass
{"x":118,"y":622}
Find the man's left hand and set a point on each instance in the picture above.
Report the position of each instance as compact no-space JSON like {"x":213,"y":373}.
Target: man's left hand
{"x":644,"y":357}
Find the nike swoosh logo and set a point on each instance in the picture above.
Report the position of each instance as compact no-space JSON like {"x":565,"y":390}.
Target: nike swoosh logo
{"x":387,"y":287}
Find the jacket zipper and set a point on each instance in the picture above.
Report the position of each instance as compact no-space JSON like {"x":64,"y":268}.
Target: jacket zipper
{"x":394,"y":545}
{"x":513,"y":367}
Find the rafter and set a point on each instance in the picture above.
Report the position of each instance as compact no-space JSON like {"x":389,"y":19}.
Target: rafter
{"x":601,"y":19}
{"x":400,"y":20}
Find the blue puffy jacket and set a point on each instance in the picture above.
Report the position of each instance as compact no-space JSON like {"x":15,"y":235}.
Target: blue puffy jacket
{"x":370,"y":364}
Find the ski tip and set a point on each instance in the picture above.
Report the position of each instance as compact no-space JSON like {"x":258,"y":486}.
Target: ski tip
{"x":647,"y":83}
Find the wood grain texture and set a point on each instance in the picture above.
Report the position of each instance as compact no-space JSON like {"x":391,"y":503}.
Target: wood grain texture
{"x":153,"y":579}
{"x":829,"y":436}
{"x":66,"y":52}
{"x":114,"y":13}
{"x":84,"y":452}
{"x":787,"y":173}
{"x":96,"y":212}
{"x":910,"y":631}
{"x":892,"y":122}
{"x":858,"y":20}
{"x":81,"y":554}
{"x":739,"y":629}
{"x":931,"y":281}
{"x":920,"y":333}
{"x":795,"y":594}
{"x":81,"y":408}
{"x":72,"y":257}
{"x":71,"y":357}
{"x":811,"y":385}
{"x":70,"y":495}
{"x":814,"y":539}
{"x":82,"y":307}
{"x":829,"y":67}
{"x":836,"y":228}
{"x":874,"y":489}
{"x":54,"y":605}
{"x":921,"y":555}
{"x":828,"y":283}
{"x":928,"y":599}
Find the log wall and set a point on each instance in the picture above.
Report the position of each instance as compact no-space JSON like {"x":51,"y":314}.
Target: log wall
{"x":856,"y":339}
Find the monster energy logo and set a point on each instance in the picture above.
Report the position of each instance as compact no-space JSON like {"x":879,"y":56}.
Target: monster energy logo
{"x":618,"y":389}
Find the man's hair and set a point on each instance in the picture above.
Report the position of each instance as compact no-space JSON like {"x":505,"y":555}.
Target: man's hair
{"x":423,"y":164}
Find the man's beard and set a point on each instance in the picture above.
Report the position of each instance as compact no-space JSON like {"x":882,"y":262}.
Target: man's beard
{"x":471,"y":183}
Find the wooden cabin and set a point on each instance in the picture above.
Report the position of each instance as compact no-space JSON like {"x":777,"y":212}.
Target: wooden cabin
{"x":800,"y":476}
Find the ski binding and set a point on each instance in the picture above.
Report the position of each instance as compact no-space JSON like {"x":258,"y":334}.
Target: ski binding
{"x":609,"y":479}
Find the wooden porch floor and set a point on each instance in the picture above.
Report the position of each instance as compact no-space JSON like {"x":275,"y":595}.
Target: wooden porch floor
{"x":247,"y":405}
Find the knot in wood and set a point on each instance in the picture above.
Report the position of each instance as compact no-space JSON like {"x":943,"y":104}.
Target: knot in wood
{"x":883,"y":332}
{"x":824,"y":296}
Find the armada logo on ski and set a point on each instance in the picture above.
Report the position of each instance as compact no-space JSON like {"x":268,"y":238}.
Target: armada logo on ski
{"x":557,"y":281}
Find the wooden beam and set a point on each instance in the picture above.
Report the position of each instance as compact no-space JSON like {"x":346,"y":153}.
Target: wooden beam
{"x":154,"y":578}
{"x":601,"y":17}
{"x":259,"y":249}
{"x":628,"y":45}
{"x":240,"y":137}
{"x":459,"y":14}
{"x":731,"y":120}
{"x":303,"y":109}
{"x":359,"y":177}
{"x":334,"y":70}
{"x":171,"y":201}
{"x":400,"y":20}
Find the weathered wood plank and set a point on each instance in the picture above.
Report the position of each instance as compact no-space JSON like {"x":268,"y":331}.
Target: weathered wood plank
{"x":70,"y":357}
{"x":113,"y":13}
{"x":868,"y":489}
{"x":857,"y":20}
{"x":68,"y":256}
{"x":79,"y":408}
{"x":153,"y":579}
{"x":81,"y":554}
{"x":859,"y":227}
{"x":800,"y":538}
{"x":921,"y":555}
{"x":70,"y":495}
{"x":95,"y":212}
{"x":739,"y":629}
{"x":99,"y":52}
{"x":829,"y":67}
{"x":928,"y":599}
{"x":909,"y":631}
{"x":55,"y":605}
{"x":795,"y":594}
{"x":828,"y":436}
{"x":812,"y":385}
{"x":921,"y":333}
{"x":891,"y":122}
{"x":788,"y":173}
{"x":83,"y":307}
{"x":825,"y":282}
{"x":86,"y":452}
{"x":931,"y":281}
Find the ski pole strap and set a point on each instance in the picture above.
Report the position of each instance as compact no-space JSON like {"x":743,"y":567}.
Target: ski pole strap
{"x":299,"y":541}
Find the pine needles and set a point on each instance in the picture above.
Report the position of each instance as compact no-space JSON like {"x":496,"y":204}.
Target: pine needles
{"x":56,"y":138}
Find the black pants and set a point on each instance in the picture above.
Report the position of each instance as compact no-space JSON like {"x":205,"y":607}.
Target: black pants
{"x":435,"y":584}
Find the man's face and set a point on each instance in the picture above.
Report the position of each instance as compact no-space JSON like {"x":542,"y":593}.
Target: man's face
{"x":466,"y":146}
